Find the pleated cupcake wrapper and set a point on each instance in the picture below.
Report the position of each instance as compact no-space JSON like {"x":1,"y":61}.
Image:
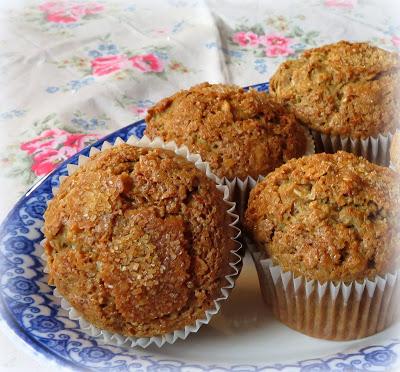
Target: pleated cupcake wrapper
{"x":391,"y":164}
{"x":240,"y":189}
{"x":235,"y":264}
{"x":375,"y":149}
{"x":329,"y":310}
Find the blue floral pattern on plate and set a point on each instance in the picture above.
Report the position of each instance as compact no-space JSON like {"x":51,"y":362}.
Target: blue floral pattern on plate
{"x":29,"y":309}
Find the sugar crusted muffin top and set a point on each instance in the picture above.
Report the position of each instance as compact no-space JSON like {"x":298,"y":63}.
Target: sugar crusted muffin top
{"x":238,"y":133}
{"x":347,"y":89}
{"x":328,"y":217}
{"x":138,"y":241}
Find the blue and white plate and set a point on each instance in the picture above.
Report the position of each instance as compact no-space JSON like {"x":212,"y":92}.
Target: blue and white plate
{"x":243,"y":337}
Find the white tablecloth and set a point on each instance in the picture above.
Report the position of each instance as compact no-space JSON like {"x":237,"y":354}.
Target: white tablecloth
{"x":73,"y":71}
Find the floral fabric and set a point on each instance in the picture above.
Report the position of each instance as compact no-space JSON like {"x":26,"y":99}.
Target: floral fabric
{"x":72,"y":71}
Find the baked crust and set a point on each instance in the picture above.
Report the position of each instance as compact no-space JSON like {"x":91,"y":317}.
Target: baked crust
{"x":238,"y":133}
{"x":347,"y":89}
{"x":328,"y":217}
{"x":138,"y":241}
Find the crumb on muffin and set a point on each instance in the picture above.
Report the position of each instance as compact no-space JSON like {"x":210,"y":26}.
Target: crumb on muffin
{"x":238,"y":133}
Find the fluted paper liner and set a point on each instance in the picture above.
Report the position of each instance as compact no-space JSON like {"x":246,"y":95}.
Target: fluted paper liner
{"x":240,"y":189}
{"x":375,"y":149}
{"x":235,"y":264}
{"x":391,"y":164}
{"x":329,"y":310}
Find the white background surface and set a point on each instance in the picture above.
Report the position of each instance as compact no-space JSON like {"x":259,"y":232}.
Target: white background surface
{"x":13,"y":359}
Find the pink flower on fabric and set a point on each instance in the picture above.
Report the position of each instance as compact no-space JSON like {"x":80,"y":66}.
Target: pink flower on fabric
{"x":54,"y":146}
{"x":147,"y":63}
{"x":45,"y":162}
{"x":246,"y":38}
{"x":52,"y":6}
{"x":349,"y":4}
{"x":59,"y":18}
{"x":275,"y":40}
{"x":108,"y":64}
{"x":68,"y":12}
{"x":276,"y":45}
{"x":46,"y":140}
{"x":138,"y":110}
{"x":396,"y":41}
{"x":275,"y":51}
{"x":87,"y":9}
{"x":77,"y":141}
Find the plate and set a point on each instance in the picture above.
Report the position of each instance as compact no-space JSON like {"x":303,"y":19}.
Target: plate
{"x":243,"y":337}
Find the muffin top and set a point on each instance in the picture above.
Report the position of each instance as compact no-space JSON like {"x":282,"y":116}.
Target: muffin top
{"x":238,"y":133}
{"x":347,"y":89}
{"x":395,"y":151}
{"x":138,"y":241}
{"x":328,"y":217}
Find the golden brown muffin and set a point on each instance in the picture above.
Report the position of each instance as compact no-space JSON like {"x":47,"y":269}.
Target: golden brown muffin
{"x":395,"y":151}
{"x":138,"y":241}
{"x":238,"y":133}
{"x":328,"y":217}
{"x":347,"y":89}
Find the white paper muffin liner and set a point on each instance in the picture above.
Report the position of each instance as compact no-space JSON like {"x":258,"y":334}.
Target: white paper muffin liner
{"x":330,"y":310}
{"x":375,"y":149}
{"x":235,"y":264}
{"x":240,"y":189}
{"x":392,"y":166}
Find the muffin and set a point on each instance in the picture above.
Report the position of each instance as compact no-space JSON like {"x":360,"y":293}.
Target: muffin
{"x":139,"y":242}
{"x":325,"y":230}
{"x":395,"y":152}
{"x":342,"y":90}
{"x":238,"y":133}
